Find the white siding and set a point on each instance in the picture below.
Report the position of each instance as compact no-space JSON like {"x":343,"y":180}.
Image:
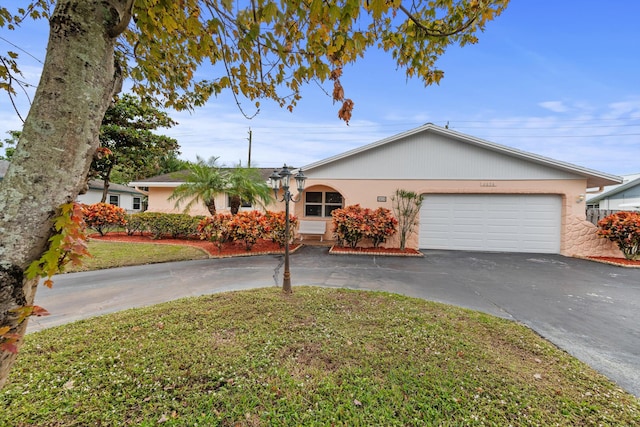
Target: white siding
{"x":628,"y":199}
{"x":94,"y":196}
{"x":429,"y":155}
{"x":503,"y":223}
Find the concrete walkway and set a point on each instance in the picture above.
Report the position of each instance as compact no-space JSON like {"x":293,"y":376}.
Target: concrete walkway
{"x":590,"y":310}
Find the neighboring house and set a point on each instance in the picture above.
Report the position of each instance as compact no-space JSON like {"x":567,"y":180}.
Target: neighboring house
{"x":159,"y":189}
{"x":128,"y":198}
{"x":625,"y":196}
{"x":478,"y":195}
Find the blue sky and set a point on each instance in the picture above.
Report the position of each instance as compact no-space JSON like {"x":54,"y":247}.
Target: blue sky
{"x":556,"y":78}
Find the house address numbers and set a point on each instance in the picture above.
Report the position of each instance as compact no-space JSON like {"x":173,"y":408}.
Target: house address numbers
{"x":487,"y":184}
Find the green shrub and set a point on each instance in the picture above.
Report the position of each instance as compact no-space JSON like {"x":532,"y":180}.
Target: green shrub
{"x":162,"y":225}
{"x":135,"y":224}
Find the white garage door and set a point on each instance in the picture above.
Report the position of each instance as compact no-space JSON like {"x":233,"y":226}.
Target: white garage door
{"x":503,"y":223}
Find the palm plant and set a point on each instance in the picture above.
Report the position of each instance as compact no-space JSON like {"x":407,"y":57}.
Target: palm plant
{"x":248,"y":185}
{"x":204,"y":182}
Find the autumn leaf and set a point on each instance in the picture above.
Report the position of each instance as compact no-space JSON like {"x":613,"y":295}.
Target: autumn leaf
{"x":9,"y":346}
{"x":10,"y":343}
{"x":22,"y":312}
{"x":346,"y":110}
{"x":39,"y":311}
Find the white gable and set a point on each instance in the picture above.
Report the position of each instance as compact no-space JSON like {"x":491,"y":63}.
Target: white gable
{"x":430,"y":152}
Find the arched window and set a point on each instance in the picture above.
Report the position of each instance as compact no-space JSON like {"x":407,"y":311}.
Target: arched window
{"x":321,"y":203}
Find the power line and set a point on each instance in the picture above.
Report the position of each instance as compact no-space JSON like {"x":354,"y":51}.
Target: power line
{"x":20,"y":49}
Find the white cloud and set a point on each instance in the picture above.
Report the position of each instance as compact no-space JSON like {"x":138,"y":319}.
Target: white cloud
{"x":555,"y":106}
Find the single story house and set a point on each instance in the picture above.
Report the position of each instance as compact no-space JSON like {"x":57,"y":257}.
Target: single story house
{"x":477,"y":195}
{"x":159,"y":188}
{"x":625,"y":196}
{"x":130,"y":199}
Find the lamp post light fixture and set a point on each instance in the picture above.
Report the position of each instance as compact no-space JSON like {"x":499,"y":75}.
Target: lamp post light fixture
{"x":282,"y":180}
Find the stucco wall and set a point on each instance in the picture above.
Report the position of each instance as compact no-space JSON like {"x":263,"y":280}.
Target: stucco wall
{"x":367,"y":194}
{"x":578,"y":237}
{"x":159,"y":202}
{"x":583,"y":241}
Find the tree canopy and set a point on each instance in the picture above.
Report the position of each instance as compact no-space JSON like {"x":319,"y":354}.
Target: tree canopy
{"x":127,"y":142}
{"x":246,"y":185}
{"x":204,"y":181}
{"x":258,"y":49}
{"x":9,"y":144}
{"x":268,"y":49}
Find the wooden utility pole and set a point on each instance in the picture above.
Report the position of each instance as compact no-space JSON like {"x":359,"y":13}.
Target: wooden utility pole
{"x":249,"y":162}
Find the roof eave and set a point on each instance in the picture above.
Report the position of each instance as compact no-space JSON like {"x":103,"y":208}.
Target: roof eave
{"x":155,"y":184}
{"x":616,"y":190}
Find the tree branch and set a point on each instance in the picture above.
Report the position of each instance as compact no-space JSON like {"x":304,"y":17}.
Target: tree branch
{"x":430,"y":32}
{"x":123,"y":22}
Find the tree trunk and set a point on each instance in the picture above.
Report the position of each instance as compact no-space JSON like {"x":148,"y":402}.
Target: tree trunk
{"x":106,"y":182}
{"x":57,"y":144}
{"x":234,"y":204}
{"x":211,"y":206}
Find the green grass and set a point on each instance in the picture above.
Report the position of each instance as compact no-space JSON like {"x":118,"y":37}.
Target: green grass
{"x":116,"y":254}
{"x":316,"y":357}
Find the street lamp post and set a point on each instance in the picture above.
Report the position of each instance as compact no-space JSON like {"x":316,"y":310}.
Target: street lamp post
{"x":282,"y":180}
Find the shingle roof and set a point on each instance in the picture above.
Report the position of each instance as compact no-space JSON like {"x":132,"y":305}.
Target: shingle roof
{"x":96,"y":184}
{"x":180,"y":177}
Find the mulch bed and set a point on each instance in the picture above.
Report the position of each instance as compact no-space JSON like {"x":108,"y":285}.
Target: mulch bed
{"x":341,"y":250}
{"x":622,"y":262}
{"x":232,"y":249}
{"x":229,"y":249}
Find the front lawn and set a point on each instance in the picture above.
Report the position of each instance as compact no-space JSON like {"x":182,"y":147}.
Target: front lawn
{"x":106,"y":254}
{"x":316,"y":357}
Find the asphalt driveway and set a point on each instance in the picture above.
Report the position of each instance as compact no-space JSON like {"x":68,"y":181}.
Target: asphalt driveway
{"x":590,"y":310}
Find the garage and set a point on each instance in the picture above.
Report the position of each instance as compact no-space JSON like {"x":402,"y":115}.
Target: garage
{"x":491,"y":222}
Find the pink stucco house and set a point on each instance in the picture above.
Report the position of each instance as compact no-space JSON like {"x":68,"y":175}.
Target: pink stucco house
{"x":478,"y":195}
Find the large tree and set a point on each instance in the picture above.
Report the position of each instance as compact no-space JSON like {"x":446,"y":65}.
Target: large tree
{"x":127,"y":142}
{"x":260,"y":49}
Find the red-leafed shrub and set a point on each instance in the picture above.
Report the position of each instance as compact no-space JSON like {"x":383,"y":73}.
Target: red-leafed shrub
{"x":353,"y":223}
{"x":382,"y":224}
{"x":275,"y":225}
{"x":623,"y":228}
{"x":216,"y":229}
{"x":349,"y":225}
{"x":103,"y":217}
{"x":247,"y":227}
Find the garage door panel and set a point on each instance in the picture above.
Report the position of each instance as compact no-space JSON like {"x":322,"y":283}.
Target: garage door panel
{"x":512,"y":223}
